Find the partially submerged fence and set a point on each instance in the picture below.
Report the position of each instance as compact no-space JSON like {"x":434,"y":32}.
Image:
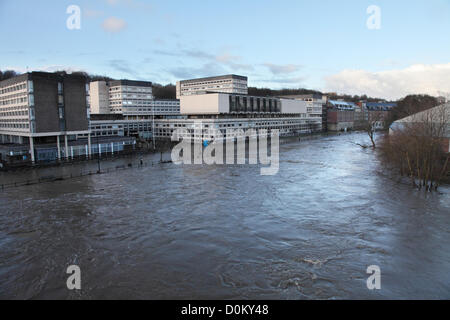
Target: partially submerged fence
{"x":82,"y":173}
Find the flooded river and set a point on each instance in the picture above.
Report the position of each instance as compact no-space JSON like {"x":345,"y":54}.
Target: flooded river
{"x":226,"y":232}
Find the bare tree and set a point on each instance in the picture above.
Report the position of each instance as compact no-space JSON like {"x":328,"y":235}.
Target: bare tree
{"x":416,"y":148}
{"x":372,"y":122}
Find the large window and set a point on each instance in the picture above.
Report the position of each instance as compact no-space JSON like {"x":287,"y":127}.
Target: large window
{"x":31,"y":100}
{"x":61,"y":113}
{"x":232,"y":104}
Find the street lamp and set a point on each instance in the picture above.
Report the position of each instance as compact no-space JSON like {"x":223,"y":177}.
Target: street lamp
{"x":153,"y":125}
{"x":98,"y":155}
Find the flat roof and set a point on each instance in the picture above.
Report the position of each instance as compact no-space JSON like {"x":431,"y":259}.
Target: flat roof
{"x":228,"y":76}
{"x":39,"y":75}
{"x":303,"y":96}
{"x":130,"y":83}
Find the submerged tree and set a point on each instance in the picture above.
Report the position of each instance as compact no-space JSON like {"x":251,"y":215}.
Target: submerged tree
{"x":374,"y":122}
{"x":416,"y":148}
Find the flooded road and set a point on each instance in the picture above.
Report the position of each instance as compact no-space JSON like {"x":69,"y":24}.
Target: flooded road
{"x":226,"y":232}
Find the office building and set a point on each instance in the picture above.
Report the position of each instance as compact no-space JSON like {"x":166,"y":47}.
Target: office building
{"x":41,"y":108}
{"x":223,"y":84}
{"x":317,"y":105}
{"x":132,"y":99}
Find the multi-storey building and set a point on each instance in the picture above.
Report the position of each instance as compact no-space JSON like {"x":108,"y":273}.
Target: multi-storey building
{"x":317,"y":106}
{"x":340,"y":115}
{"x":222,"y":111}
{"x":40,"y":108}
{"x":217,"y":111}
{"x":132,"y":99}
{"x":372,"y":113}
{"x":224,"y":84}
{"x":99,"y":97}
{"x":128,"y":97}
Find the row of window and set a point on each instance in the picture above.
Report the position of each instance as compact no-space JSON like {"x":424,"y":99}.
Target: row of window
{"x":14,"y":113}
{"x":20,"y":100}
{"x":14,"y":125}
{"x":245,"y":104}
{"x":135,"y":96}
{"x":190,"y":84}
{"x":13,"y":88}
{"x":131,"y":89}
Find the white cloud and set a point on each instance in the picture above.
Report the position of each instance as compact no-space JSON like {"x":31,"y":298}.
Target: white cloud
{"x":294,"y":81}
{"x":114,"y":25}
{"x":282,"y":69}
{"x":392,"y":84}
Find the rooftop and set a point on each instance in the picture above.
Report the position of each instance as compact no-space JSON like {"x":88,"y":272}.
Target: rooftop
{"x":229,"y":76}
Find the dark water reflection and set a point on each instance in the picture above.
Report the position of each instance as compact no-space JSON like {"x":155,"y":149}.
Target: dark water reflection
{"x":225,"y":232}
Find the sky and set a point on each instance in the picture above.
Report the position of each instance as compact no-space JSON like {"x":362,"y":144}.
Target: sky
{"x":325,"y":45}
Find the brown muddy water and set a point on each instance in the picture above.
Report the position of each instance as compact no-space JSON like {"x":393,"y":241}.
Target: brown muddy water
{"x":226,"y":232}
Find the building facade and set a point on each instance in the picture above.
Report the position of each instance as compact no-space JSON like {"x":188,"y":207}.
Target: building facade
{"x":224,"y":84}
{"x":340,"y":115}
{"x":218,"y":112}
{"x":317,"y":106}
{"x":132,"y":99}
{"x":373,"y":113}
{"x":41,"y":108}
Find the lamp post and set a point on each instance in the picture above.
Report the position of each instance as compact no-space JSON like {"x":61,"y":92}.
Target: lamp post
{"x":98,"y":155}
{"x":153,"y":125}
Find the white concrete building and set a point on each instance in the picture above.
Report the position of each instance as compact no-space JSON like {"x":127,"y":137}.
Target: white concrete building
{"x":205,"y":110}
{"x":99,"y":98}
{"x":130,"y":98}
{"x":225,"y":84}
{"x":224,"y":103}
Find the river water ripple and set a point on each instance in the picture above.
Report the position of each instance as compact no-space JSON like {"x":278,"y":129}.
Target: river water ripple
{"x":226,"y":232}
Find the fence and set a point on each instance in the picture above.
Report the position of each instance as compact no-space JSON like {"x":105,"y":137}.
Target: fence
{"x":49,"y":179}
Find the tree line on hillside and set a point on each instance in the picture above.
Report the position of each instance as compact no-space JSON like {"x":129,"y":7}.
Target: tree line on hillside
{"x":7,"y":74}
{"x":410,"y":105}
{"x":405,"y":107}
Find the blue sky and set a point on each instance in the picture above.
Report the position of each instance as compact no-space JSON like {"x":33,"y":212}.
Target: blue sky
{"x":323,"y":45}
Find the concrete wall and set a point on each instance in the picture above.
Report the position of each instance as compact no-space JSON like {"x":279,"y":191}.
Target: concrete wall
{"x":214,"y":103}
{"x":99,"y":97}
{"x":293,"y":106}
{"x":46,"y":103}
{"x":75,"y":104}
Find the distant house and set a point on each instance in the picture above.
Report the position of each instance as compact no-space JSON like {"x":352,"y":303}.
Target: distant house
{"x":340,"y":115}
{"x":375,"y":112}
{"x":380,"y":106}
